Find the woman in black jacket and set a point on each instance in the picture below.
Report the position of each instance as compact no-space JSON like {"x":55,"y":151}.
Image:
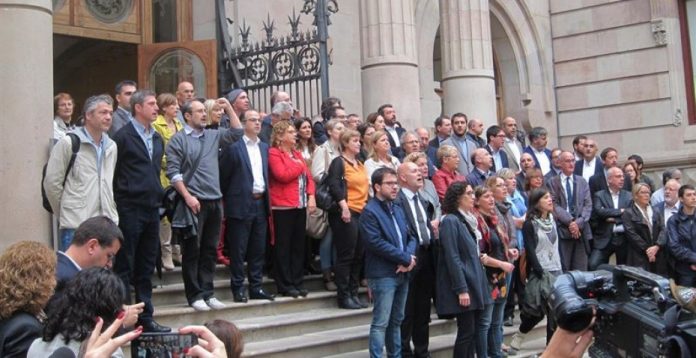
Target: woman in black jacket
{"x":348,"y":184}
{"x":462,"y":290}
{"x":644,"y":232}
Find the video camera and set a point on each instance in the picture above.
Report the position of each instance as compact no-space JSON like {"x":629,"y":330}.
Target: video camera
{"x":636,"y":314}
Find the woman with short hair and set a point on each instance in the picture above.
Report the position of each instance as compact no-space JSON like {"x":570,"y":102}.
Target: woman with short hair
{"x":27,"y":280}
{"x":63,"y":109}
{"x":644,"y":227}
{"x":446,"y":174}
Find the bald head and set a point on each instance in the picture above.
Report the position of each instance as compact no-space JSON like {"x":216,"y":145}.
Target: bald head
{"x":566,"y":161}
{"x":510,"y":127}
{"x":615,"y":178}
{"x":423,"y":138}
{"x":184,"y":92}
{"x":410,"y":176}
{"x":482,"y":159}
{"x":475,"y":126}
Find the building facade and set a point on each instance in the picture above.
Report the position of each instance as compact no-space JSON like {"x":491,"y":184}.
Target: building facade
{"x":618,"y":71}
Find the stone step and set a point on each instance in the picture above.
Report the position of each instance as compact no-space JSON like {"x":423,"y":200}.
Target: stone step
{"x":173,"y":293}
{"x":328,"y":342}
{"x":222,"y":272}
{"x":181,"y":314}
{"x":441,"y":345}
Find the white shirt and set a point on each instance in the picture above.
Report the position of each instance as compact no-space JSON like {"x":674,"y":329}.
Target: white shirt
{"x":394,"y":135}
{"x":497,"y":161}
{"x":544,"y":162}
{"x":615,"y":201}
{"x":670,"y":210}
{"x":514,"y":149}
{"x":588,"y":168}
{"x":252,"y":147}
{"x":409,"y":195}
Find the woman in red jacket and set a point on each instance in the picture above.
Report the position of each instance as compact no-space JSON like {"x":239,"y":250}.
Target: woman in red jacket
{"x":292,"y":196}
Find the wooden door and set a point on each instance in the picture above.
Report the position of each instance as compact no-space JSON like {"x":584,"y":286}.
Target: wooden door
{"x":162,"y":66}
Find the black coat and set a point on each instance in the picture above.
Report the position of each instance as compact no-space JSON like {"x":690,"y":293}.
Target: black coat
{"x":137,"y":176}
{"x":602,"y":211}
{"x":639,"y":236}
{"x":459,"y":269}
{"x":17,"y":333}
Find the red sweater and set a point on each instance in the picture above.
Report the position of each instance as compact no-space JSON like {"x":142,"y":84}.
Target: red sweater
{"x":284,"y":178}
{"x":442,"y":180}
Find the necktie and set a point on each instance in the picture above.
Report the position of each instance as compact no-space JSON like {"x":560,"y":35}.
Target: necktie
{"x":569,"y":196}
{"x":396,"y":227}
{"x":422,"y":227}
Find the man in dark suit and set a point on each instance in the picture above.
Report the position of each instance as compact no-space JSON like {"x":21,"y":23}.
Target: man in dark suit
{"x":590,"y":164}
{"x":244,"y":181}
{"x":572,"y":210}
{"x":392,"y":128}
{"x":390,"y":249}
{"x":599,"y":181}
{"x":608,"y":231}
{"x":555,"y":164}
{"x":474,"y":132}
{"x":482,"y":167}
{"x":537,"y":148}
{"x":496,"y":140}
{"x":419,"y":302}
{"x":122,"y":114}
{"x":138,"y":194}
{"x":443,"y":129}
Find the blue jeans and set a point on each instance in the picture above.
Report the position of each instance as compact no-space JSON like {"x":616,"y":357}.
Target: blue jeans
{"x":389,"y":295}
{"x":326,"y":251}
{"x":482,"y":327}
{"x":66,"y":236}
{"x":495,"y":333}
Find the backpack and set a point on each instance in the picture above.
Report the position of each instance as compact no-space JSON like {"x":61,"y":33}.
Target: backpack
{"x":75,"y":148}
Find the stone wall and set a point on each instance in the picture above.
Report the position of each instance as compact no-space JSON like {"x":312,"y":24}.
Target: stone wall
{"x":619,"y":78}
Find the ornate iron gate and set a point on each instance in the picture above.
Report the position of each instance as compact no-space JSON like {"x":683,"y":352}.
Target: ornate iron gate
{"x":296,"y":63}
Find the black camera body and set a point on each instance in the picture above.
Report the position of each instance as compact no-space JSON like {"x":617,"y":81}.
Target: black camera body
{"x":635,"y":313}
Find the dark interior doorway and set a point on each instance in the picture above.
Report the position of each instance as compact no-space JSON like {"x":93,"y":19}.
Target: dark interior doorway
{"x":84,"y":67}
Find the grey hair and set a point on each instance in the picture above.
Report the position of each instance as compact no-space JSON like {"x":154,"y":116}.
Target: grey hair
{"x":282,"y":107}
{"x":92,"y":102}
{"x":506,"y":173}
{"x":406,"y":134}
{"x":537,"y":132}
{"x":139,"y":98}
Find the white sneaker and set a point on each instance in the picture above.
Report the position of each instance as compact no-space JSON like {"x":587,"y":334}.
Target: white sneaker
{"x":215,"y":304}
{"x":199,"y":305}
{"x":517,"y":340}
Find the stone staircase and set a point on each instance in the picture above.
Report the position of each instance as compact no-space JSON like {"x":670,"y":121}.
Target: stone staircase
{"x":302,"y":327}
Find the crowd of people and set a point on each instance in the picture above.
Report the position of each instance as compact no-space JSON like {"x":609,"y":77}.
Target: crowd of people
{"x":475,"y":218}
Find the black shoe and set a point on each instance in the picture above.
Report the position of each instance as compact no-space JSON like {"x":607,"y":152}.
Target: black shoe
{"x":358,"y":301}
{"x":291,"y":293}
{"x":152,"y":326}
{"x":303,"y":292}
{"x":508,"y":322}
{"x":260,"y":294}
{"x":348,"y":304}
{"x":239,"y":296}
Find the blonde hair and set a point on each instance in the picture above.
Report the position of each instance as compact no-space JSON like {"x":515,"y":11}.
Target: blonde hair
{"x":373,"y":139}
{"x":278,"y":130}
{"x":27,"y":278}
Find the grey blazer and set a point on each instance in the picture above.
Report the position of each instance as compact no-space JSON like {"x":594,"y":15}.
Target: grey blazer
{"x":120,"y":118}
{"x":582,"y":205}
{"x":465,"y":166}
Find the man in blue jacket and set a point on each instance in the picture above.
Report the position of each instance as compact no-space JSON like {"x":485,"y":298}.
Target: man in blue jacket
{"x":389,"y":256}
{"x":681,"y":229}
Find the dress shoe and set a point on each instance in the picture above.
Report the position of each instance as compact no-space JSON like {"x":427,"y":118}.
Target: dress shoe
{"x":152,"y":326}
{"x":261,"y":295}
{"x":358,"y":301}
{"x":348,"y":304}
{"x":302,"y":291}
{"x":291,"y":293}
{"x":239,"y":296}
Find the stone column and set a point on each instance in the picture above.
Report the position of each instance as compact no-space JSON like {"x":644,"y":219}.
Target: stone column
{"x":26,"y":99}
{"x":467,"y":59}
{"x":388,"y":59}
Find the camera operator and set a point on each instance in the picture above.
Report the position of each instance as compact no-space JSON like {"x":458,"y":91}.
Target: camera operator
{"x":681,"y":230}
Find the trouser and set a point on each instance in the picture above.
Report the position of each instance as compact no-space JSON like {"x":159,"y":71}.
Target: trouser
{"x":246,"y":238}
{"x":617,"y":246}
{"x":573,"y":254}
{"x":165,"y":235}
{"x":326,"y":251}
{"x":416,"y":324}
{"x":349,"y":253}
{"x":136,"y":259}
{"x":464,"y":344}
{"x":515,"y":293}
{"x":389,"y":295}
{"x":289,"y":249}
{"x":199,"y":252}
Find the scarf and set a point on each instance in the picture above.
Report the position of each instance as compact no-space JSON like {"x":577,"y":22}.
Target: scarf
{"x":472,"y":222}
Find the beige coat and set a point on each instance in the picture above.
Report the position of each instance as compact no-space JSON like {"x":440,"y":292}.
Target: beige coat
{"x":88,"y":190}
